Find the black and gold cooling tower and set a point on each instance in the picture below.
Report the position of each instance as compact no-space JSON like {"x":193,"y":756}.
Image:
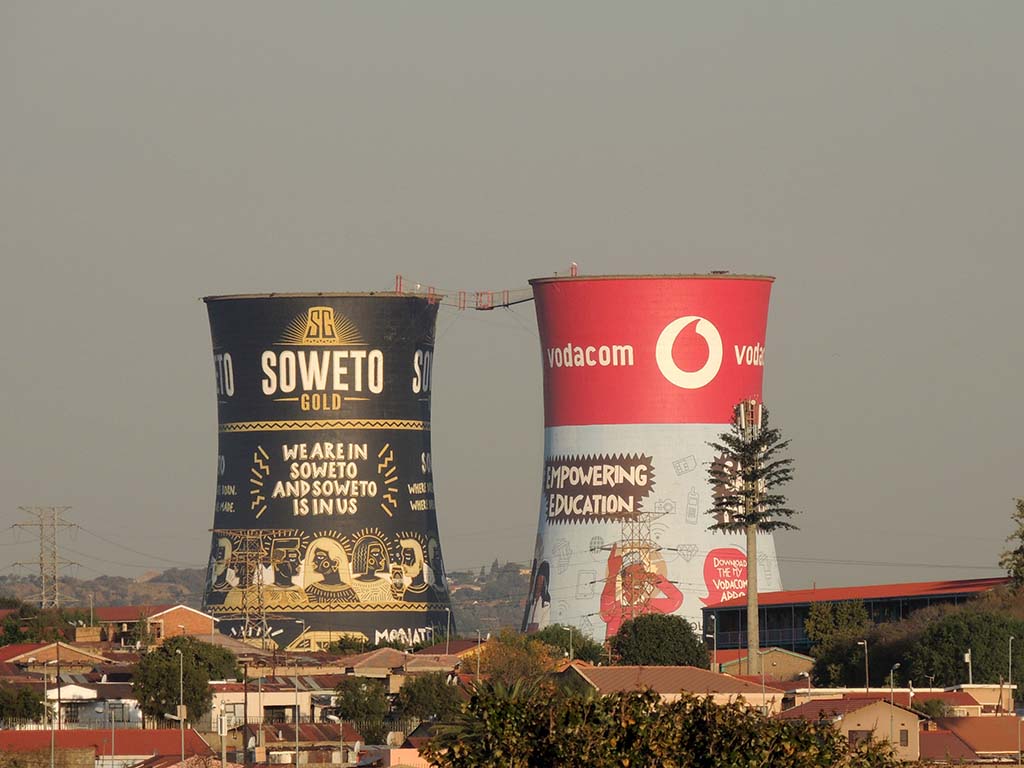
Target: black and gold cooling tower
{"x":325,"y":525}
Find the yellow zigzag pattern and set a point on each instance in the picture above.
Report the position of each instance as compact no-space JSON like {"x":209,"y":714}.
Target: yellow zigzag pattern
{"x":287,"y":426}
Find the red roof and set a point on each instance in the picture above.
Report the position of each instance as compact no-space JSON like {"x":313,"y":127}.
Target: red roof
{"x":128,"y":613}
{"x":874,"y":592}
{"x":998,"y":734}
{"x":666,"y":680}
{"x":453,"y":647}
{"x":823,"y":709}
{"x":945,"y":746}
{"x":8,"y":652}
{"x":903,"y":697}
{"x":129,"y":741}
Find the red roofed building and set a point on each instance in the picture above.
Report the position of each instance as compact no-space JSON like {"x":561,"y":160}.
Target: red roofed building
{"x":161,"y":621}
{"x":784,"y":613}
{"x":862,"y":719}
{"x":992,"y":738}
{"x":671,"y":682}
{"x":130,"y":745}
{"x":942,"y":746}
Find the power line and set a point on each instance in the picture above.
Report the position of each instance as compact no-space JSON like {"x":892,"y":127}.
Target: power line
{"x":48,"y":521}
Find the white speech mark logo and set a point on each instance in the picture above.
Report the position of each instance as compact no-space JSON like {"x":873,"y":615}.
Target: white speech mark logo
{"x":675,"y":374}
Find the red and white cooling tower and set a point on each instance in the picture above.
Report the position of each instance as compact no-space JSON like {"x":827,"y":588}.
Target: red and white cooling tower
{"x":640,"y":373}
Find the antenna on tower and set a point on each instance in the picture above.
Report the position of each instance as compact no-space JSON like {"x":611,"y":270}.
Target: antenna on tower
{"x":48,"y":520}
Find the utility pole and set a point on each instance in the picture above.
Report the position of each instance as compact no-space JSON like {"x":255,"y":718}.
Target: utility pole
{"x":48,"y":520}
{"x":750,"y":423}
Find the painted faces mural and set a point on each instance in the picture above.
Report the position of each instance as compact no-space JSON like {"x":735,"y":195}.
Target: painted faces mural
{"x":325,"y":522}
{"x":640,"y":373}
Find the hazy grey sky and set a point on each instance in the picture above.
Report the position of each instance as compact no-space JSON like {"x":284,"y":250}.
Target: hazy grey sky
{"x":867,"y":154}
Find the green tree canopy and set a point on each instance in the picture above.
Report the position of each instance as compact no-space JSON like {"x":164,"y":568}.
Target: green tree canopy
{"x":156,"y":682}
{"x":557,"y":636}
{"x":1012,"y":560}
{"x":530,"y":724}
{"x":827,"y":622}
{"x":939,"y":649}
{"x":362,"y":698}
{"x":428,"y":696}
{"x":18,"y":702}
{"x":657,"y":639}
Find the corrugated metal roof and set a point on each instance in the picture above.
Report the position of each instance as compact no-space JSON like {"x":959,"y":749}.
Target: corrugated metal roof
{"x":666,"y":680}
{"x":129,"y":741}
{"x":873,"y":592}
{"x":945,"y":746}
{"x":997,"y":734}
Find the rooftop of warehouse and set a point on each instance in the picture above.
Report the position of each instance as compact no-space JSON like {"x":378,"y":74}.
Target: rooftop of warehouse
{"x":872,"y":592}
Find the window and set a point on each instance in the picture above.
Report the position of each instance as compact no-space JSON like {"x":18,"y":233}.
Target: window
{"x":859,"y":737}
{"x":118,"y":711}
{"x":73,"y":712}
{"x":904,"y":737}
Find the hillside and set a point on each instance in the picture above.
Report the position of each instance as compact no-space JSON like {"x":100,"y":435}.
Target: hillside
{"x":486,"y":601}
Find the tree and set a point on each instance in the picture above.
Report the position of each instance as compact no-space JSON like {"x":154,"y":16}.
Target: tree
{"x":657,"y":639}
{"x":557,"y":637}
{"x":531,"y":725}
{"x":364,"y":701}
{"x":745,"y":474}
{"x":362,"y":698}
{"x":826,"y":621}
{"x":938,"y":651}
{"x":1013,"y":559}
{"x":931,"y":707}
{"x":511,"y":657}
{"x":19,"y":702}
{"x":428,"y":697}
{"x":156,"y":681}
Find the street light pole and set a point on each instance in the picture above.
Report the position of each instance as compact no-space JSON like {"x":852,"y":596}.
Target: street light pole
{"x":867,"y":679}
{"x":47,"y":710}
{"x":714,"y":640}
{"x":181,"y":699}
{"x":297,"y":715}
{"x":448,"y":631}
{"x":892,"y":698}
{"x":478,"y":654}
{"x":569,"y":630}
{"x":1009,"y":672}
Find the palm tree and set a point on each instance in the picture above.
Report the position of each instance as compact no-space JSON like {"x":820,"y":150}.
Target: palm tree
{"x":745,"y":474}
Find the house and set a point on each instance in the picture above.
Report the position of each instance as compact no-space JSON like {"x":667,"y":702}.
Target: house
{"x":671,"y":683}
{"x":991,"y":738}
{"x":941,"y":746}
{"x":118,"y":749}
{"x":960,"y":700}
{"x":99,"y":705}
{"x":862,"y":719}
{"x":453,"y":647}
{"x":121,"y":622}
{"x":278,"y":743}
{"x":51,"y":658}
{"x":778,"y":663}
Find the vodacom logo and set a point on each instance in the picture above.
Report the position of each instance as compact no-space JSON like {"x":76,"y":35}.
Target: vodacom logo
{"x":667,"y":365}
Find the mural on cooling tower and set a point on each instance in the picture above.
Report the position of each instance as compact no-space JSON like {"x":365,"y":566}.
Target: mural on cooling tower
{"x":325,"y":520}
{"x":640,"y":373}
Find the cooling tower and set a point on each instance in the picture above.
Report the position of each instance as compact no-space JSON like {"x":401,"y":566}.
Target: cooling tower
{"x":325,"y":524}
{"x":640,"y":373}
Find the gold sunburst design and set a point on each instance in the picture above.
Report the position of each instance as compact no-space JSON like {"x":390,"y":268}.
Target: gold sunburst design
{"x":321,"y":326}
